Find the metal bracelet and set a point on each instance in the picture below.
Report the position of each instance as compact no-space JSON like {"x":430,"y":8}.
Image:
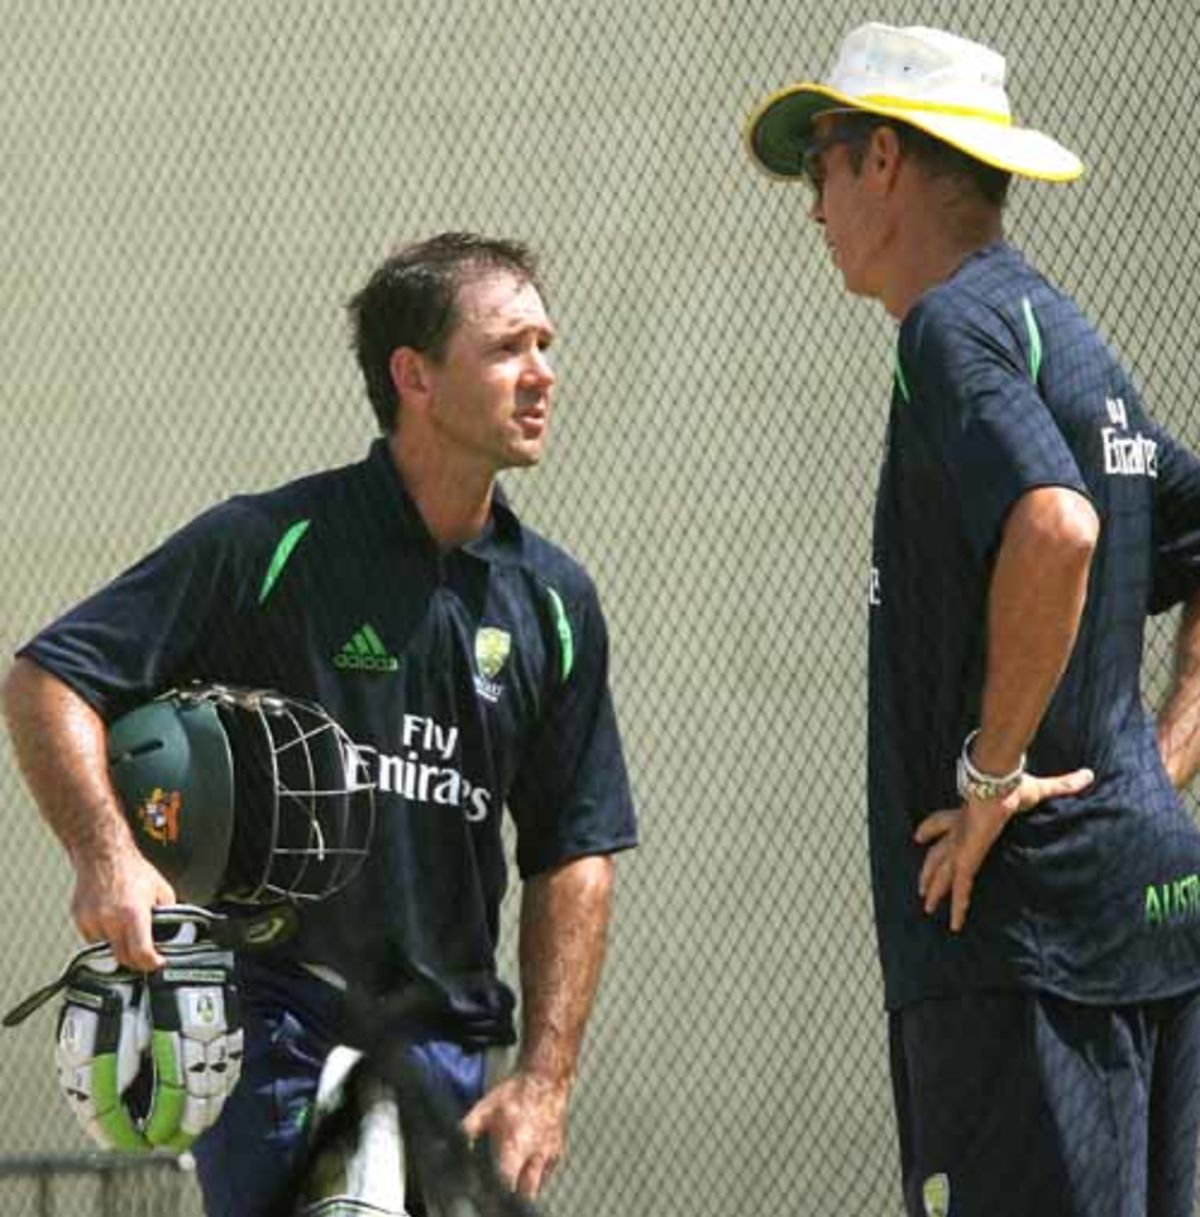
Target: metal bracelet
{"x":974,"y":783}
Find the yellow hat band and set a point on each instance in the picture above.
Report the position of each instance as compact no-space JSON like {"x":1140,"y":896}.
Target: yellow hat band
{"x":934,"y":107}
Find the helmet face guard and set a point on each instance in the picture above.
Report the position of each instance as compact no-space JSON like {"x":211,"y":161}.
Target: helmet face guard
{"x":244,"y":795}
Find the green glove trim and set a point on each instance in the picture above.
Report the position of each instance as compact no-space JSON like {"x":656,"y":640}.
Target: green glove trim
{"x":112,"y":1116}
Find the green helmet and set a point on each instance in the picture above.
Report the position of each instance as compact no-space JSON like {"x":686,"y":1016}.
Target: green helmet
{"x":242,"y":794}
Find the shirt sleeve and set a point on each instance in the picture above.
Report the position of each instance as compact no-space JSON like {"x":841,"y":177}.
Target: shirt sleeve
{"x":1176,"y":524}
{"x":170,"y":618}
{"x":571,"y":796}
{"x":981,"y":412}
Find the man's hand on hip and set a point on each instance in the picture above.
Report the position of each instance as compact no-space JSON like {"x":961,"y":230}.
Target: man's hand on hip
{"x":960,"y":838}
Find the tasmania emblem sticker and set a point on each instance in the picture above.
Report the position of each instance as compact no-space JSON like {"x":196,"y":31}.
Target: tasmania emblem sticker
{"x":159,"y":815}
{"x":492,"y":649}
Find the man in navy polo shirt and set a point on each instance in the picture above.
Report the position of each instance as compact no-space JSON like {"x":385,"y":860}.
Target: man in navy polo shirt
{"x":1045,"y":1027}
{"x":468,"y":660}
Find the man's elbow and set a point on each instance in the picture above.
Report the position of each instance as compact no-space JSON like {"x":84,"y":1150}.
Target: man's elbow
{"x":14,"y":689}
{"x":592,"y":873}
{"x":1059,"y":522}
{"x":24,"y":690}
{"x":585,"y":881}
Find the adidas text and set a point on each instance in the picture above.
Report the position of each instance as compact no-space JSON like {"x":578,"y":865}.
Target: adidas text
{"x":366,"y":663}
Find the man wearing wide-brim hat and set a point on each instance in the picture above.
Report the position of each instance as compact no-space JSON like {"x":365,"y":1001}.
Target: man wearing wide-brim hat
{"x":1039,"y":935}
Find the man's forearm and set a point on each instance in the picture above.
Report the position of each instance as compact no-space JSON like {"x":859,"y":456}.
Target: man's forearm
{"x":564,"y":927}
{"x":60,"y":743}
{"x":61,"y":746}
{"x":1036,"y":600}
{"x":1179,"y":718}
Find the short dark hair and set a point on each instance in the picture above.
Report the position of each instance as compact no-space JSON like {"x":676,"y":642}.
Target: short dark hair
{"x":411,"y":300}
{"x":939,"y":158}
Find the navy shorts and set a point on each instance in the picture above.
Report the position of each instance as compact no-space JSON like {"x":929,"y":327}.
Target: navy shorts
{"x":292,"y":1020}
{"x":1020,"y":1104}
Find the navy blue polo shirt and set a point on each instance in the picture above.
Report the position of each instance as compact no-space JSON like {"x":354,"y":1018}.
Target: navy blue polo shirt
{"x":469,"y":680}
{"x":1001,"y":387}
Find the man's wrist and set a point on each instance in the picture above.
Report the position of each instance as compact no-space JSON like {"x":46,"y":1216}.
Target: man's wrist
{"x":543,"y":1078}
{"x":99,"y":836}
{"x":991,"y":755}
{"x":99,"y":854}
{"x":982,"y":785}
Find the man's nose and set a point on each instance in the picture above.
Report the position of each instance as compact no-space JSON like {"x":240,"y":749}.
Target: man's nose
{"x":539,"y":371}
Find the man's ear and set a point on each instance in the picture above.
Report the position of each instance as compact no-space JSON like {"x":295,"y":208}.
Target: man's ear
{"x":410,"y":375}
{"x":883,"y":156}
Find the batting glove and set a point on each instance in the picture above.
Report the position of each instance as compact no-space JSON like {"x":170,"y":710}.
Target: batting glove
{"x":147,"y":1062}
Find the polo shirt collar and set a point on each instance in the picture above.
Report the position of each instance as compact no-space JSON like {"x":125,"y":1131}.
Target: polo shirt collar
{"x":501,"y":540}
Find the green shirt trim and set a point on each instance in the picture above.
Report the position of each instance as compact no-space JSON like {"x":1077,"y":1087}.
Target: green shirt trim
{"x":566,"y":639}
{"x":283,"y":551}
{"x":900,"y":381}
{"x":1035,"y":339}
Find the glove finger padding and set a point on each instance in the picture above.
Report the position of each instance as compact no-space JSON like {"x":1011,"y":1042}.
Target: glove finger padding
{"x":196,"y":1044}
{"x":101,"y":1033}
{"x":147,"y":1062}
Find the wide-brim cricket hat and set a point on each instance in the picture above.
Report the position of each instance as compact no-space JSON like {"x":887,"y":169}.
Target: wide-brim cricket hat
{"x":949,"y":87}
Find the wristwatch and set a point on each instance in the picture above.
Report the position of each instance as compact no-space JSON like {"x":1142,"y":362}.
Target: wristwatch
{"x":975,"y":784}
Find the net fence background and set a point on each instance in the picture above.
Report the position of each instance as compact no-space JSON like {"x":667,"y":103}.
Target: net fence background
{"x":189,"y":193}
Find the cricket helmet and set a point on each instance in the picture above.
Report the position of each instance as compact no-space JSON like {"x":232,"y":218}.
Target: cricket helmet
{"x":245,"y":795}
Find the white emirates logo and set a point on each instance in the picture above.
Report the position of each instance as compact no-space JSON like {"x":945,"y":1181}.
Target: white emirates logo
{"x":1126,"y":455}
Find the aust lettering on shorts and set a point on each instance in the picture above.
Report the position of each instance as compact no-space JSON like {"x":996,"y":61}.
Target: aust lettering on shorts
{"x":1172,"y":902}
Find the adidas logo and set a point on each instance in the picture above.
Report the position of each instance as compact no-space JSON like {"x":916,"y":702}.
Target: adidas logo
{"x":365,"y":653}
